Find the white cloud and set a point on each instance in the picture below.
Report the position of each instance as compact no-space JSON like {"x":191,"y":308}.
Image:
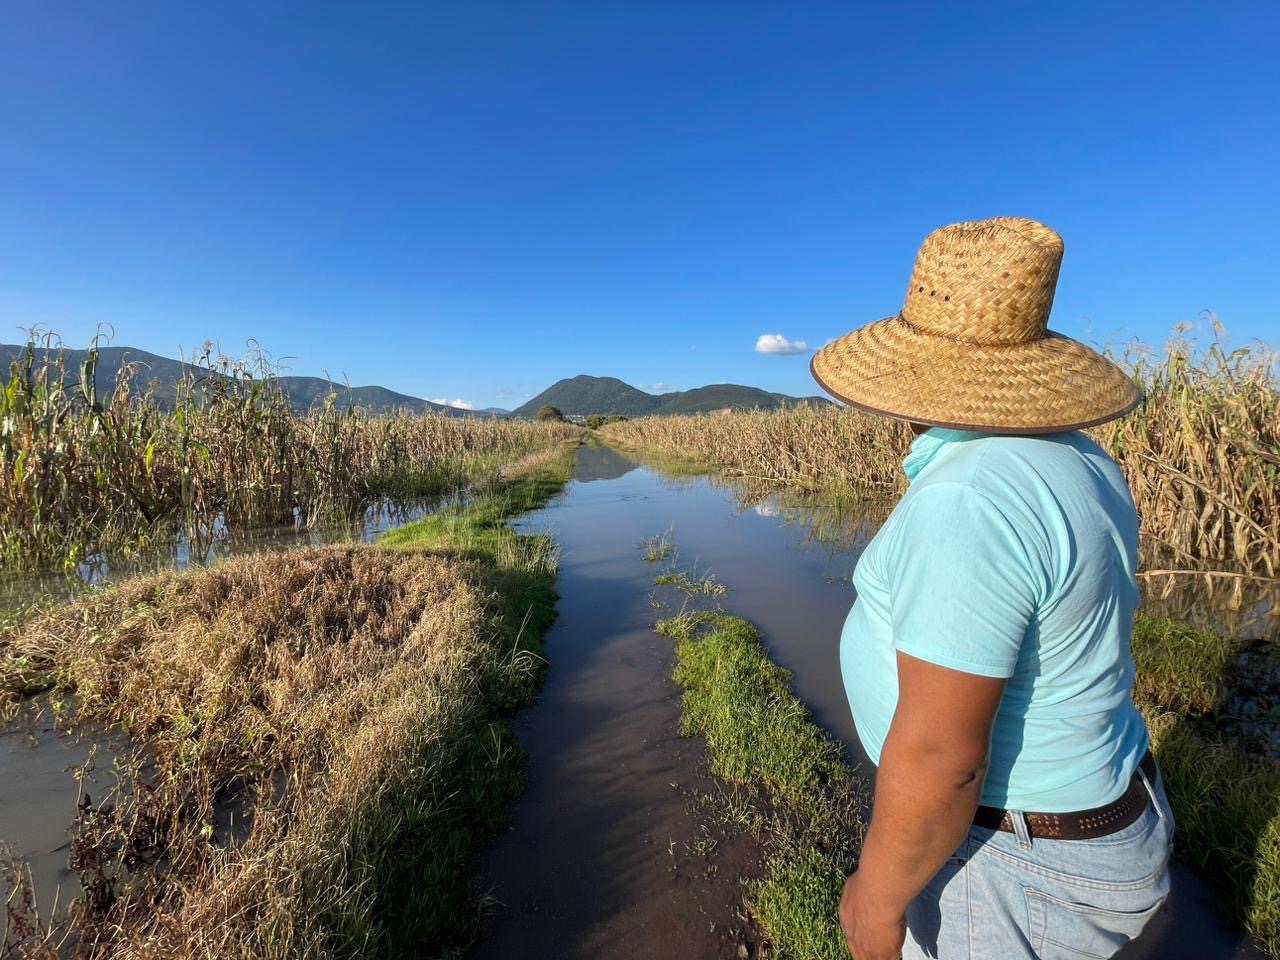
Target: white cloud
{"x":779,"y":345}
{"x":460,"y":404}
{"x":770,"y":506}
{"x":660,"y":387}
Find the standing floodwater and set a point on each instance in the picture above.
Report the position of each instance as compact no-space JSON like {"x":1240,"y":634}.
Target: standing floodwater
{"x":596,"y":862}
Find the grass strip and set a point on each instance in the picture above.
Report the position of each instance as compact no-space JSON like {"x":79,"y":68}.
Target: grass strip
{"x":807,"y":801}
{"x":352,"y":699}
{"x":1225,"y":800}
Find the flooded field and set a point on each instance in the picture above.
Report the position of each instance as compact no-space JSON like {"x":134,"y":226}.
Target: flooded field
{"x":596,"y":861}
{"x":602,"y":857}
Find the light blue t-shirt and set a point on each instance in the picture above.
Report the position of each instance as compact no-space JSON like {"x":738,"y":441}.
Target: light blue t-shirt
{"x":1010,"y":557}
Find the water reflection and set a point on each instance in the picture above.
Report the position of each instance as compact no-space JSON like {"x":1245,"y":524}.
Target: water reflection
{"x":596,"y":462}
{"x":1228,"y":602}
{"x":98,"y":569}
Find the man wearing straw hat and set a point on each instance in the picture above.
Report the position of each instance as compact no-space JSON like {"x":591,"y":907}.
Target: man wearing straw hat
{"x":1018,"y":811}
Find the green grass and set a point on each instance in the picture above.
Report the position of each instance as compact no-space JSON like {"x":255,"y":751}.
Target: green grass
{"x":1227,"y":807}
{"x":808,"y":801}
{"x":479,"y":526}
{"x":657,"y":548}
{"x":1179,"y":669}
{"x":1226,"y":801}
{"x":690,"y":584}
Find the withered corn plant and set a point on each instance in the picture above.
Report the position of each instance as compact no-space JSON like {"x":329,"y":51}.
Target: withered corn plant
{"x":82,"y":474}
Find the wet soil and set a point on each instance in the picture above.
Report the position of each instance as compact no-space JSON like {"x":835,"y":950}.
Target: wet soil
{"x":1249,"y":717}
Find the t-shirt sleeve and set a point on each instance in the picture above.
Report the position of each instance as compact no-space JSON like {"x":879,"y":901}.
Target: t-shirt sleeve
{"x":961,"y":590}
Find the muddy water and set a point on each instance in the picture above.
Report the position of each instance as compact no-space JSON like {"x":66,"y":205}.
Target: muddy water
{"x":42,"y":773}
{"x":596,"y":862}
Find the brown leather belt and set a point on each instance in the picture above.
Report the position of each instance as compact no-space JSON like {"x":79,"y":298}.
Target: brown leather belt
{"x":1083,"y":824}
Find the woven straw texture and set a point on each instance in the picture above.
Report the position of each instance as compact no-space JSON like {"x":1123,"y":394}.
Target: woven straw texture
{"x":971,"y":348}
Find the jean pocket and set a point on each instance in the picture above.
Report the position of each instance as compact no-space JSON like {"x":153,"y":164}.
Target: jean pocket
{"x":1068,"y":930}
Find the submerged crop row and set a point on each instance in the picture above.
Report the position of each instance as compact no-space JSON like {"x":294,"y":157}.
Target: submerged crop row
{"x":350,"y":700}
{"x":82,"y":473}
{"x":1202,"y":454}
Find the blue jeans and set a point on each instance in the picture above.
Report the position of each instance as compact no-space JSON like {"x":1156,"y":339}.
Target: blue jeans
{"x":1004,"y":896}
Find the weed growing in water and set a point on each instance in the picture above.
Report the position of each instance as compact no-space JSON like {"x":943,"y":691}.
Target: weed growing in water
{"x":657,"y":549}
{"x":690,"y":584}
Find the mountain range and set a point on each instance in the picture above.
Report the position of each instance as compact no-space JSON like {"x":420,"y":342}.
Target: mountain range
{"x":164,"y":373}
{"x":584,"y":395}
{"x":576,"y":396}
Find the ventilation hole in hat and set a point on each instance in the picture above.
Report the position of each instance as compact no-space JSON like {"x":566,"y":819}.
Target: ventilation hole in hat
{"x":947,"y":297}
{"x":919,"y":289}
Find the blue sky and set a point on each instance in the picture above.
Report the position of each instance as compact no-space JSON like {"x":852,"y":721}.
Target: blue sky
{"x":471,"y":200}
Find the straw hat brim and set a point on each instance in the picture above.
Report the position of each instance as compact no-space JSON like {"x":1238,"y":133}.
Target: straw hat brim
{"x":1047,"y":385}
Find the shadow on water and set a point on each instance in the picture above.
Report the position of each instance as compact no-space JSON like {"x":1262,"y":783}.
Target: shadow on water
{"x":587,"y":868}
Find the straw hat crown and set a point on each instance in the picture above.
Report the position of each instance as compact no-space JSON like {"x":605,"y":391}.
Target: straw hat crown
{"x":971,"y":347}
{"x":985,"y":281}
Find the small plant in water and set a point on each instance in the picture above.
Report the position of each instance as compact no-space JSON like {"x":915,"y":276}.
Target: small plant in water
{"x":657,"y":549}
{"x":690,"y":584}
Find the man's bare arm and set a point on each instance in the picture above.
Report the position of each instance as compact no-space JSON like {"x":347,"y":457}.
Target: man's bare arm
{"x":932,"y":766}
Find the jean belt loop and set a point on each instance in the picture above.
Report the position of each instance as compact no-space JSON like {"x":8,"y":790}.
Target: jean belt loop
{"x":1151,"y":791}
{"x":1020,"y":830}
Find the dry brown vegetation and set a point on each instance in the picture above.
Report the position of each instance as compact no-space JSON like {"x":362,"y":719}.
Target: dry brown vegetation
{"x":81,"y":473}
{"x":1202,"y":454}
{"x":349,"y":700}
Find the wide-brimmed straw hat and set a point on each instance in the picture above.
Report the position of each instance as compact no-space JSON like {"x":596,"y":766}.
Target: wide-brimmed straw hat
{"x":971,"y":348}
